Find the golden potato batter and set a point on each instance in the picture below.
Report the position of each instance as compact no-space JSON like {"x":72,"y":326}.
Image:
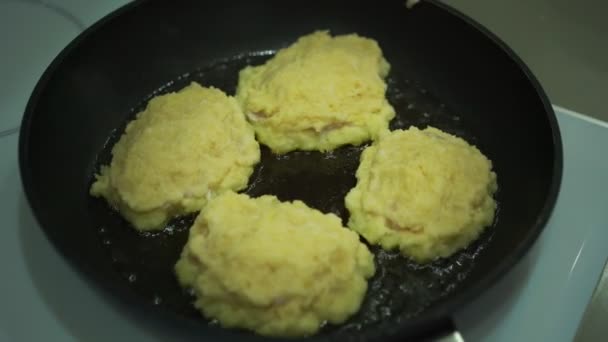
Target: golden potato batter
{"x":317,"y":94}
{"x":426,"y":192}
{"x":277,"y":268}
{"x":184,"y":148}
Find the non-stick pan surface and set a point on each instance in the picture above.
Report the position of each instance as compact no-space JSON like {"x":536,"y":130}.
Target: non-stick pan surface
{"x":446,"y":72}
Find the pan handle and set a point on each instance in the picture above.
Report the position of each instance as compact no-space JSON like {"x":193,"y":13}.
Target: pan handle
{"x":445,"y":332}
{"x":453,"y":336}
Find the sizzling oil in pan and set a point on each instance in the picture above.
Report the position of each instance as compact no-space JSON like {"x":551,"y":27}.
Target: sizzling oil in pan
{"x":400,"y":289}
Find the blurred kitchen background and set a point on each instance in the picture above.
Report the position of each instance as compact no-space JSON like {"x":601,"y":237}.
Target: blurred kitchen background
{"x":564,"y":42}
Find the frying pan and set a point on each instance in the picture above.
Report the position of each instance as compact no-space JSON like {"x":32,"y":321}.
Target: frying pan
{"x":447,"y":71}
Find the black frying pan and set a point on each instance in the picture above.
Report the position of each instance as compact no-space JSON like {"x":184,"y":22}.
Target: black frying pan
{"x":447,"y":72}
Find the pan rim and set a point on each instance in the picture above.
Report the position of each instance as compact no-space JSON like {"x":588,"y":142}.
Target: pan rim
{"x":423,"y":323}
{"x":514,"y":257}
